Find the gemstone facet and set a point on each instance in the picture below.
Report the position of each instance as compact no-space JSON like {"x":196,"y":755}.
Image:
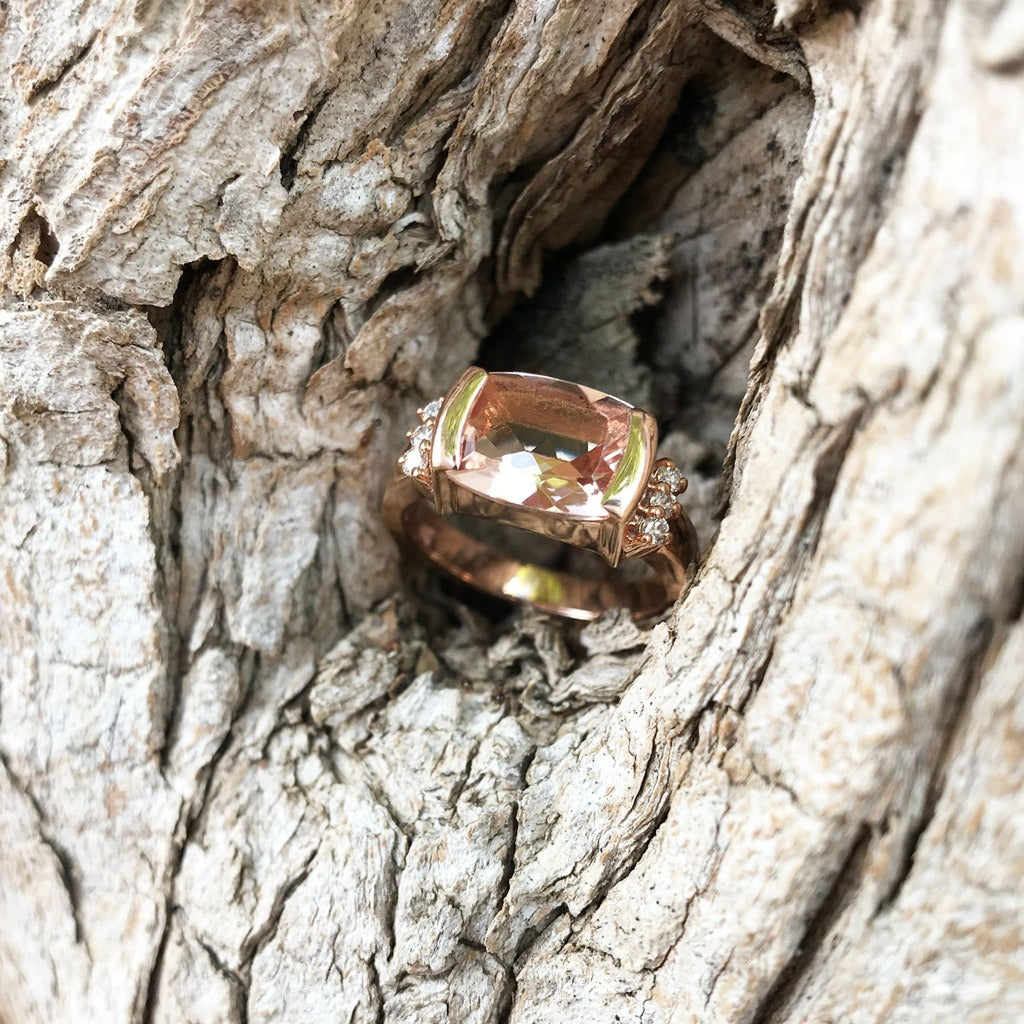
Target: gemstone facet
{"x":543,"y":443}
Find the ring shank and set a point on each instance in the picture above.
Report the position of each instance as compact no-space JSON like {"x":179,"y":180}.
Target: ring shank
{"x":411,"y":514}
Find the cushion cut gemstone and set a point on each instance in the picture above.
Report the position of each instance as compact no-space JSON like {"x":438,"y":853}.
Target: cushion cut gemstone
{"x":543,"y":443}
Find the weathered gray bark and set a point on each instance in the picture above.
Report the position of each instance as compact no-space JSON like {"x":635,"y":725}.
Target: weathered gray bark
{"x":246,"y":775}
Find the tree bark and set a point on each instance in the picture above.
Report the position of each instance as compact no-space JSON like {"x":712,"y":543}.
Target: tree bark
{"x":255,"y":766}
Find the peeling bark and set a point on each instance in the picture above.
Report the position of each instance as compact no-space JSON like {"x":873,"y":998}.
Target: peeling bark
{"x":254,"y":767}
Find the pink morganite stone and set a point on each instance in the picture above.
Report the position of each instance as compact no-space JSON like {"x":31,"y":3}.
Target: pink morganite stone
{"x":543,"y":443}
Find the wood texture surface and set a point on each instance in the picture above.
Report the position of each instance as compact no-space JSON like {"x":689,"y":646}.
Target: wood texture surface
{"x":255,"y":766}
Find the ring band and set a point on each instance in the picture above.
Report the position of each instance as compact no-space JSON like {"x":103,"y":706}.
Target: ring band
{"x":554,"y":458}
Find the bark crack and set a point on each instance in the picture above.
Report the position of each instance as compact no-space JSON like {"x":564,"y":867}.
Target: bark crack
{"x":189,"y":820}
{"x":42,"y":87}
{"x":67,"y":871}
{"x":773,"y":1006}
{"x":954,"y":718}
{"x":255,"y":942}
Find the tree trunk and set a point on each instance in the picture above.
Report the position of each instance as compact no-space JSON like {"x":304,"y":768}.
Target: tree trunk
{"x":255,"y":766}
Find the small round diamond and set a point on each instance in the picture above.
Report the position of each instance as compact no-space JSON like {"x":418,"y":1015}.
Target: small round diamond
{"x":430,"y":410}
{"x":422,"y":434}
{"x":655,"y":530}
{"x":669,"y":474}
{"x":412,"y":462}
{"x":658,"y":499}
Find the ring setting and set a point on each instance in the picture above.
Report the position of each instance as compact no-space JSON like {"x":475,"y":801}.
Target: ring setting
{"x":557,"y":459}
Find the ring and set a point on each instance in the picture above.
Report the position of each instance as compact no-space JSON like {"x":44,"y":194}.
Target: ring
{"x":556,"y":459}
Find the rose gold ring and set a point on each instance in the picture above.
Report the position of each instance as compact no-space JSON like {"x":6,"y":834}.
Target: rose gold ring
{"x":556,"y":459}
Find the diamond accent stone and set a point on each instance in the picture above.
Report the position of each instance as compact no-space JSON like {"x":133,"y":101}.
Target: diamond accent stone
{"x":423,"y":433}
{"x":658,"y":499}
{"x":412,"y":462}
{"x":430,"y":410}
{"x":669,"y":474}
{"x":543,"y":443}
{"x":656,"y":530}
